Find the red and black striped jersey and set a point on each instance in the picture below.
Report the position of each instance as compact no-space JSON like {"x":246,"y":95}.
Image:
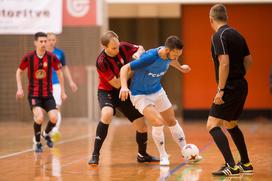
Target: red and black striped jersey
{"x":40,"y":73}
{"x":109,"y":67}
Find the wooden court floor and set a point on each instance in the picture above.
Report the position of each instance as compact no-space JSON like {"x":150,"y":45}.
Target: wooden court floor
{"x":68,"y":160}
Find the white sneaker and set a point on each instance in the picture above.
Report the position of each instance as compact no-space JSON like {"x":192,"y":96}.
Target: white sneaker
{"x":164,"y":161}
{"x":197,"y":159}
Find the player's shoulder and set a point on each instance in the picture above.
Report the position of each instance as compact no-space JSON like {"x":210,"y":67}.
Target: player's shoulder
{"x":52,"y":55}
{"x":100,"y":60}
{"x":127,"y":44}
{"x":153,"y":51}
{"x":58,"y":50}
{"x":29,"y":54}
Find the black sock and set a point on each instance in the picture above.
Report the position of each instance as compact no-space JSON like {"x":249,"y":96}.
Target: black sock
{"x":101,"y":134}
{"x":239,"y":141}
{"x":222,"y":143}
{"x":37,"y":131}
{"x":49,"y":127}
{"x":141,"y":139}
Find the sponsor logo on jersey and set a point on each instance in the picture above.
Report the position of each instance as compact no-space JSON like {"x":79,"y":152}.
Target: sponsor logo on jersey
{"x":40,"y":74}
{"x":156,"y":75}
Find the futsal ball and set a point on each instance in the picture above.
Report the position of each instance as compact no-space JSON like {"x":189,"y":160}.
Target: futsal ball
{"x":190,"y":152}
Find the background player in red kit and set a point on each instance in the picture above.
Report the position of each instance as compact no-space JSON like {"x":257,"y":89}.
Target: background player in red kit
{"x":39,"y":64}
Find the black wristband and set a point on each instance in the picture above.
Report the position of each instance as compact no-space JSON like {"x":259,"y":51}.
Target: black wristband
{"x":219,"y":89}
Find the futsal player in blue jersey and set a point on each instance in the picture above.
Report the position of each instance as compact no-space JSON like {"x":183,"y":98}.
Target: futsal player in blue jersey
{"x":148,"y":96}
{"x":51,"y":46}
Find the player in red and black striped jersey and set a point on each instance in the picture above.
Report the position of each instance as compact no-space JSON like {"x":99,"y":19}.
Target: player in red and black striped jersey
{"x":39,"y":64}
{"x":109,"y":62}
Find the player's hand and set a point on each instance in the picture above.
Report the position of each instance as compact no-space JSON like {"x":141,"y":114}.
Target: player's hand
{"x":135,"y":56}
{"x":63,"y":96}
{"x":19,"y":94}
{"x":218,"y":98}
{"x":185,"y":68}
{"x":73,"y":87}
{"x":124,"y":93}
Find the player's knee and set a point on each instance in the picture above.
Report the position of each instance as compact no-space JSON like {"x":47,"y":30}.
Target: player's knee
{"x":229,"y":125}
{"x":53,"y":119}
{"x":210,"y":125}
{"x":106,"y":117}
{"x":171,"y":122}
{"x":158,"y":122}
{"x":39,"y":118}
{"x":142,"y":128}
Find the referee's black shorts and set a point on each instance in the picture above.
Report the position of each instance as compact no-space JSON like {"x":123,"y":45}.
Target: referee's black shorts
{"x":234,"y":97}
{"x":111,"y":98}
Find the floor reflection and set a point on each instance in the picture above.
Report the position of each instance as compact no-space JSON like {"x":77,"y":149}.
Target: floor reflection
{"x":48,"y":165}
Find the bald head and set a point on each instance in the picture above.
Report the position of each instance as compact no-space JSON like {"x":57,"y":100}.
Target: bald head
{"x":107,"y":37}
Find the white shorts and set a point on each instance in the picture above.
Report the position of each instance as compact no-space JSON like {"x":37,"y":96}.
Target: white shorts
{"x":57,"y":94}
{"x":158,"y":99}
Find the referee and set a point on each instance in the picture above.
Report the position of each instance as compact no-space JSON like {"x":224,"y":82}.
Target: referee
{"x":232,"y":59}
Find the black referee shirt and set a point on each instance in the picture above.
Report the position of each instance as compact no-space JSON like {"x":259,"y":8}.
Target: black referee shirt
{"x":228,"y":41}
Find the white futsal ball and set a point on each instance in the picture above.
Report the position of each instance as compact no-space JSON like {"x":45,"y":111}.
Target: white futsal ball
{"x":190,"y":152}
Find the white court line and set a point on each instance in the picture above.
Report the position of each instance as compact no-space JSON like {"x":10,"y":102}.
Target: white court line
{"x":59,"y":143}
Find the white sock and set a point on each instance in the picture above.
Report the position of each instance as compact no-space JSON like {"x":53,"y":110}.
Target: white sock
{"x":158,"y":137}
{"x":178,"y":135}
{"x":58,"y":122}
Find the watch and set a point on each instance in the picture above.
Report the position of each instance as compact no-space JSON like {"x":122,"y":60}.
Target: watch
{"x":219,"y":89}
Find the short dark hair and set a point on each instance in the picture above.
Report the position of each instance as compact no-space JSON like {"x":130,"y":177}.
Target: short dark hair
{"x":219,"y":13}
{"x":173,"y":42}
{"x":106,"y":37}
{"x":39,"y":34}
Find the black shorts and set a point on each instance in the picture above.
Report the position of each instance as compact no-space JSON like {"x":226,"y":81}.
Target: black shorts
{"x":234,"y":97}
{"x":111,"y":98}
{"x":47,"y":103}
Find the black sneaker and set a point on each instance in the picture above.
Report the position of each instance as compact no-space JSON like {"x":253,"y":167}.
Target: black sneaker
{"x":94,"y":160}
{"x":38,"y":147}
{"x":245,"y":168}
{"x":146,"y":158}
{"x":227,"y":171}
{"x":49,"y":142}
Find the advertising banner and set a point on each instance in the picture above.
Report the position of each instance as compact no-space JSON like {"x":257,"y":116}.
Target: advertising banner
{"x":30,"y":16}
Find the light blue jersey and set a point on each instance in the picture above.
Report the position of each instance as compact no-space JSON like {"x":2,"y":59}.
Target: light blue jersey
{"x":60,"y":54}
{"x":148,"y":71}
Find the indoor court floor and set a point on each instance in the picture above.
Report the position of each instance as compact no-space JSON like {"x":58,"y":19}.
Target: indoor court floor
{"x":68,"y":160}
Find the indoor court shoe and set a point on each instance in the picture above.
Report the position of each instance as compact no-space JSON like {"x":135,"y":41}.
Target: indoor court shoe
{"x":245,"y":168}
{"x":226,"y":170}
{"x":55,"y":136}
{"x":38,"y":147}
{"x":49,"y":142}
{"x":164,"y":161}
{"x":94,"y":160}
{"x":146,"y":158}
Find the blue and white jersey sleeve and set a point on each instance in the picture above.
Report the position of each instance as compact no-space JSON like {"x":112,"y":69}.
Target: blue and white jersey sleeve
{"x":146,"y":59}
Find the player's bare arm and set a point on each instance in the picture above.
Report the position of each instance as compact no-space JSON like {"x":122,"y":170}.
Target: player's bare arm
{"x":125,"y":73}
{"x":247,"y":62}
{"x":115,"y":82}
{"x":223,"y":76}
{"x":68,"y":75}
{"x":20,"y":91}
{"x":61,"y":80}
{"x":182,"y":68}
